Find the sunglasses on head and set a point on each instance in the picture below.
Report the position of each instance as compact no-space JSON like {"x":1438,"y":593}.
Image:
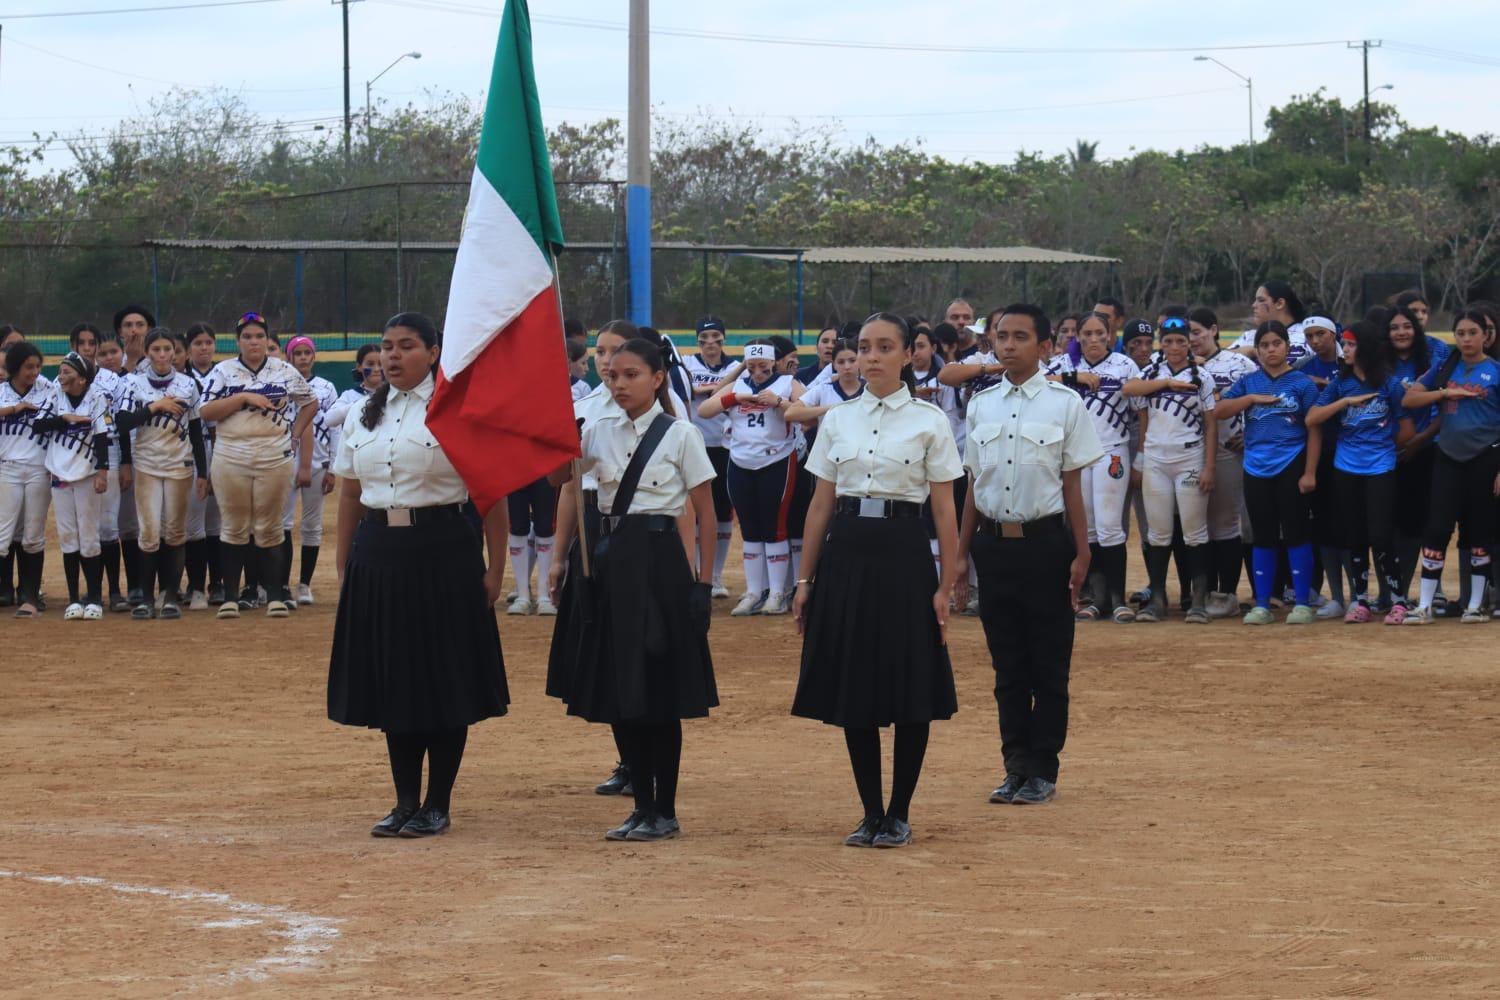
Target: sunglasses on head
{"x":1174,"y":324}
{"x":252,"y":318}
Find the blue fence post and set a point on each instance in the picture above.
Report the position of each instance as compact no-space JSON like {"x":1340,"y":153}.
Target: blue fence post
{"x":298,"y":289}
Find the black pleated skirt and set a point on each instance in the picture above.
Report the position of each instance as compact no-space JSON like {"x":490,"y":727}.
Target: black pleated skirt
{"x":573,"y":611}
{"x":872,"y":654}
{"x":639,"y":657}
{"x":415,"y":646}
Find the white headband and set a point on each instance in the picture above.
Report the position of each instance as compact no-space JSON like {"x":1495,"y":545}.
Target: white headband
{"x":1321,"y":323}
{"x":760,"y":352}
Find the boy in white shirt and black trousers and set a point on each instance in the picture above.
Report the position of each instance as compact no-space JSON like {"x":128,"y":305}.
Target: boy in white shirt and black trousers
{"x":1028,"y":442}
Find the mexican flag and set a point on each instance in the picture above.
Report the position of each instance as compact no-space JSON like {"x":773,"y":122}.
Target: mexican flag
{"x":502,"y":408}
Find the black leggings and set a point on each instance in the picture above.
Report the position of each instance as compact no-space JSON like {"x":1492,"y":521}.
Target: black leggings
{"x":444,"y":751}
{"x":1278,"y":508}
{"x":1462,"y":492}
{"x":653,"y":753}
{"x":723,"y":507}
{"x":533,"y":506}
{"x":864,"y":755}
{"x":1368,"y":504}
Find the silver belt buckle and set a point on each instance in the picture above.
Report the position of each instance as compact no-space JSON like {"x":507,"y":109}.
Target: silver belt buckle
{"x":870,"y":507}
{"x":398,"y":517}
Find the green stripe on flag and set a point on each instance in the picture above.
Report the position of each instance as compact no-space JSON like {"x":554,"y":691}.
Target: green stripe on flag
{"x":522,"y":177}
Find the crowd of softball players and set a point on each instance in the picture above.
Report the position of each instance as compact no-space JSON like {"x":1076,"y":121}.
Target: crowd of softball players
{"x":1304,"y":465}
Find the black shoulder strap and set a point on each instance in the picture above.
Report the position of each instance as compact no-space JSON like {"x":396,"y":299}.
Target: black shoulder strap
{"x":643,"y":452}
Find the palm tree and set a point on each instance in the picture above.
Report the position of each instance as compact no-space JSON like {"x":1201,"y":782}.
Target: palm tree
{"x":1083,"y":152}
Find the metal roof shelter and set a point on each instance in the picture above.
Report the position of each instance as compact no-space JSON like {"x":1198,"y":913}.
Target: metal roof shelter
{"x":797,"y":257}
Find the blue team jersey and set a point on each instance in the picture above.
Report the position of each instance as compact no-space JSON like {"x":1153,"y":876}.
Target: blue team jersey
{"x":1469,"y":425}
{"x":1318,"y":368}
{"x":1367,"y":431}
{"x":1406,"y":371}
{"x":1274,"y":432}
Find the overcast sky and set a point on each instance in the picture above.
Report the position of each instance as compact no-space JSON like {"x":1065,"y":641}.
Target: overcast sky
{"x":284,"y":58}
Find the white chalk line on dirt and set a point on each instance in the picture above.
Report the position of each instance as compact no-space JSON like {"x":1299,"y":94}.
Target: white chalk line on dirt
{"x":308,"y":937}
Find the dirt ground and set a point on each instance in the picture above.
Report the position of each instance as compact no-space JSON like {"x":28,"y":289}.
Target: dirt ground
{"x":1269,"y":813}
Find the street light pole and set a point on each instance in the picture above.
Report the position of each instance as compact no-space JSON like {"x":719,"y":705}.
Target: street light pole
{"x":369,"y":84}
{"x":1249,"y":103}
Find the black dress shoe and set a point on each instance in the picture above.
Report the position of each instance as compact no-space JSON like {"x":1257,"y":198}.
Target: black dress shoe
{"x":426,"y":822}
{"x":392,"y":824}
{"x":1006,"y":793}
{"x":618,"y":783}
{"x":864,"y":834}
{"x":1036,"y":791}
{"x":622,"y":832}
{"x":894,"y":832}
{"x":655,"y":827}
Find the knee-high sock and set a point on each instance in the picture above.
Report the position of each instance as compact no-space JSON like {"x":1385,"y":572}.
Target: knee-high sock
{"x":146,"y":575}
{"x":1432,"y":576}
{"x":1479,"y":574}
{"x":911,"y":748}
{"x":1112,"y":558}
{"x":71,"y":563}
{"x":29,"y":576}
{"x":932,"y":546}
{"x":284,"y":580}
{"x":1247,"y":559}
{"x":109,"y":554}
{"x":214,"y":549}
{"x":666,"y":761}
{"x":309,"y":564}
{"x":1226,"y":556}
{"x":1184,"y":565}
{"x":520,"y":563}
{"x":171,"y":570}
{"x":757,"y":577}
{"x":1157,"y":557}
{"x":405,"y":750}
{"x":251,"y":561}
{"x":864,"y":757}
{"x":8,"y":568}
{"x":1333,"y":571}
{"x":779,"y":566}
{"x":232,"y":561}
{"x":721,"y":549}
{"x":1388,"y":564}
{"x":196,"y":559}
{"x":272,"y":573}
{"x":445,"y":752}
{"x":1301,"y":558}
{"x":1265,"y":575}
{"x":795,"y":545}
{"x":93,"y":574}
{"x":130,"y":558}
{"x":543,"y":549}
{"x":1359,"y":573}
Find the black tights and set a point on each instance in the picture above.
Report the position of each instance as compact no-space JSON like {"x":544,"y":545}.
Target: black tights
{"x":864,"y":755}
{"x":444,"y":751}
{"x":653,"y":752}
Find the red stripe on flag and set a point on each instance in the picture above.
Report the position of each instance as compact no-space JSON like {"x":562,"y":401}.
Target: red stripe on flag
{"x":507,"y":419}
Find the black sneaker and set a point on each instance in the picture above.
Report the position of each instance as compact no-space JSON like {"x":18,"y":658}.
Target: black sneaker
{"x":1036,"y":791}
{"x":216,"y":594}
{"x":654,"y":827}
{"x":617,"y":783}
{"x":248,"y":600}
{"x":864,"y":834}
{"x":894,"y":832}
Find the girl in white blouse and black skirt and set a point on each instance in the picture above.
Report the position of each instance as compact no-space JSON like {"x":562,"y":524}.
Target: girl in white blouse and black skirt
{"x":640,"y":667}
{"x":875,"y":651}
{"x":415,"y":649}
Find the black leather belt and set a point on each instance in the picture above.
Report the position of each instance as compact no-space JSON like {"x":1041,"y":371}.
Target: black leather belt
{"x":405,"y":517}
{"x":871,"y":507}
{"x":656,"y":523}
{"x":1049,"y":525}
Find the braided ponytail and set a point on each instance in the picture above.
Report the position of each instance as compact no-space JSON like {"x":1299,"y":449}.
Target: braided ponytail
{"x":374,"y":408}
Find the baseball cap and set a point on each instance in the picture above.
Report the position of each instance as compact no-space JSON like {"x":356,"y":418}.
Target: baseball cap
{"x":1138,"y":328}
{"x":711,"y":323}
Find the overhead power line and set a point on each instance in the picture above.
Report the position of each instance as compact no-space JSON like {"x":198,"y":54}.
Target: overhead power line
{"x":132,"y":10}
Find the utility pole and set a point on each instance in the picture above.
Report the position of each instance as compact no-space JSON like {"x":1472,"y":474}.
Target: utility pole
{"x":348,"y":128}
{"x":1366,"y":45}
{"x":638,"y":166}
{"x":1249,"y":99}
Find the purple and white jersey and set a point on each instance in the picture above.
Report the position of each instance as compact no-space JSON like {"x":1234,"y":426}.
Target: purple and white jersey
{"x":160,"y":446}
{"x":1114,"y":415}
{"x":70,"y":451}
{"x":1227,"y":368}
{"x":1175,"y":425}
{"x":19,"y":441}
{"x":253,"y":437}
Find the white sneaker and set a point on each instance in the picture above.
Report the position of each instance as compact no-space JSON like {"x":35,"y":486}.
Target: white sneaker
{"x":1330,"y":609}
{"x":1420,"y":616}
{"x":546,"y":608}
{"x":750,"y":604}
{"x":777,"y":604}
{"x":719,"y":590}
{"x":260,"y":597}
{"x":304,"y":594}
{"x":521,"y":606}
{"x":510,"y":595}
{"x":1222,"y":605}
{"x":93,"y":613}
{"x":73,"y":612}
{"x":197,"y":601}
{"x":1317,"y":600}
